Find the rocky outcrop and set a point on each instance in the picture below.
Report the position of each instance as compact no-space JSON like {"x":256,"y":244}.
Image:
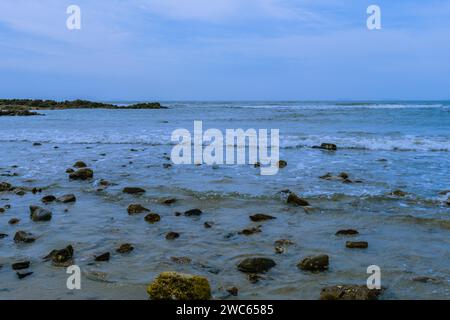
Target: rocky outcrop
{"x":28,"y":104}
{"x":179,"y":286}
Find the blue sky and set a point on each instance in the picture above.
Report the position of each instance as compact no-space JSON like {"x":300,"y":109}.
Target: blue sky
{"x":225,"y":50}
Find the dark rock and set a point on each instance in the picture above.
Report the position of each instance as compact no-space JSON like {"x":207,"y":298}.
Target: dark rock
{"x":178,"y":214}
{"x":349,"y":292}
{"x":257,"y":165}
{"x":38,"y":214}
{"x":181,"y":260}
{"x":283,"y":242}
{"x":254,"y":278}
{"x":167,"y":165}
{"x":70,"y":170}
{"x":172,"y":235}
{"x":193,"y":212}
{"x":357,"y":244}
{"x":208,"y":224}
{"x":23,"y":275}
{"x":21,"y":265}
{"x":152,"y":218}
{"x":2,"y":210}
{"x":280,"y":250}
{"x":398,"y":193}
{"x":282,"y":164}
{"x":136,"y":209}
{"x":169,"y":201}
{"x":347,"y":232}
{"x":444,"y":192}
{"x":3,"y":235}
{"x":178,"y":286}
{"x":125,"y":248}
{"x":14,"y":221}
{"x":233,"y":291}
{"x":256,"y":265}
{"x":67,"y":198}
{"x":344,"y":175}
{"x":316,"y":263}
{"x":82,"y":174}
{"x":24,"y":237}
{"x":103,"y":257}
{"x":48,"y":199}
{"x":133,"y":190}
{"x":37,"y":144}
{"x":261,"y":217}
{"x":328,"y":146}
{"x":425,"y":279}
{"x":4,"y":186}
{"x":80,"y":164}
{"x":250,"y":231}
{"x":61,"y":258}
{"x":296,"y":200}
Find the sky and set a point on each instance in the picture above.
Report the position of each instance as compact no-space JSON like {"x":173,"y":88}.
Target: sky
{"x":165,"y":50}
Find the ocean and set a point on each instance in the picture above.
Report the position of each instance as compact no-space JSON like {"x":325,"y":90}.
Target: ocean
{"x":382,"y":146}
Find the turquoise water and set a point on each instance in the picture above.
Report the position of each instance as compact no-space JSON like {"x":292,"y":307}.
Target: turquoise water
{"x":385,"y":145}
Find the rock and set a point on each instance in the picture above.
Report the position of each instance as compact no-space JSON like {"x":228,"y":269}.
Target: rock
{"x":48,"y":199}
{"x":80,"y":164}
{"x":136,"y":209}
{"x":61,"y":258}
{"x":261,"y":217}
{"x":193,"y":212}
{"x":208,"y":224}
{"x":425,"y":279}
{"x":20,"y":192}
{"x":254,"y":278}
{"x":233,"y":291}
{"x":24,"y":237}
{"x":125,"y":248}
{"x":152,"y":218}
{"x":172,"y":235}
{"x":105,"y":183}
{"x":282,"y":164}
{"x":328,"y":146}
{"x":70,"y":170}
{"x":103,"y":257}
{"x":21,"y":265}
{"x":82,"y":174}
{"x":23,"y":275}
{"x":398,"y":193}
{"x":14,"y":221}
{"x":133,"y":190}
{"x":316,"y":263}
{"x":2,"y":210}
{"x":4,"y":186}
{"x":169,"y":201}
{"x":167,"y":165}
{"x":38,"y":214}
{"x":178,"y":286}
{"x":3,"y":235}
{"x":181,"y":260}
{"x":67,"y":198}
{"x":256,"y":265}
{"x":344,"y":175}
{"x":444,"y":192}
{"x":8,"y":206}
{"x":257,"y":165}
{"x":37,"y":144}
{"x":296,"y":200}
{"x":347,"y":232}
{"x":280,"y":250}
{"x":349,"y":292}
{"x":357,"y":244}
{"x":250,"y":231}
{"x":283,"y":242}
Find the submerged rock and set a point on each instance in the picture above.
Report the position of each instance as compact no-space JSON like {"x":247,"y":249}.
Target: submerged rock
{"x":347,"y":232}
{"x":250,"y":231}
{"x":193,"y":212}
{"x":327,"y":146}
{"x":21,"y":265}
{"x":23,"y":275}
{"x":152,"y":218}
{"x":136,"y":209}
{"x":398,"y":193}
{"x":70,"y":170}
{"x":357,"y":244}
{"x":296,"y":200}
{"x":48,"y":199}
{"x":104,"y":257}
{"x":169,"y":201}
{"x":179,"y":286}
{"x":282,"y":164}
{"x":172,"y":235}
{"x":3,"y":235}
{"x":4,"y":186}
{"x":314,"y":263}
{"x":67,"y":198}
{"x":125,"y":248}
{"x":256,"y":265}
{"x":38,"y":214}
{"x":349,"y":292}
{"x":181,"y":260}
{"x":61,"y":258}
{"x":14,"y":221}
{"x":133,"y":190}
{"x":24,"y":237}
{"x":283,"y":242}
{"x":234,"y":291}
{"x":82,"y":174}
{"x":261,"y":217}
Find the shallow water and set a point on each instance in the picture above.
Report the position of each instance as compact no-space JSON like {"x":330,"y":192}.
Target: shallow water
{"x":388,"y":146}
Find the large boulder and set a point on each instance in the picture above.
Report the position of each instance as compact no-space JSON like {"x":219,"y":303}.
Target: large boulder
{"x":179,"y":286}
{"x":38,"y":214}
{"x":82,"y":174}
{"x":256,"y":265}
{"x":349,"y":292}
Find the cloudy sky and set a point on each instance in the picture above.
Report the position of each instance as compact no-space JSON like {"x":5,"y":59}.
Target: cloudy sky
{"x":225,"y":50}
